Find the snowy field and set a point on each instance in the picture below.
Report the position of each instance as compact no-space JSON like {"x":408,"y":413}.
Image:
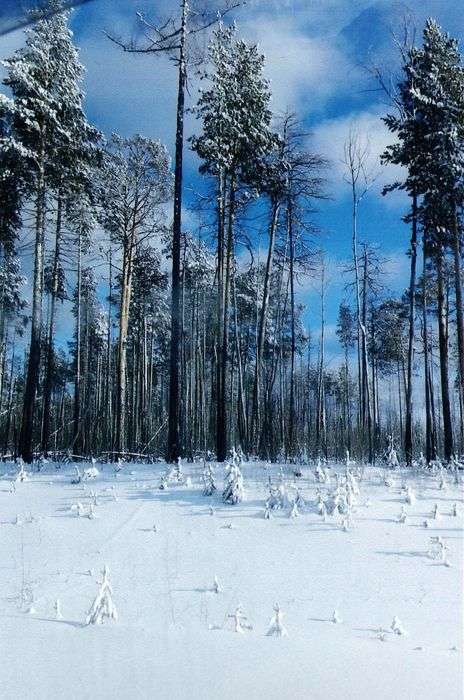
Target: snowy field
{"x":174,"y":637}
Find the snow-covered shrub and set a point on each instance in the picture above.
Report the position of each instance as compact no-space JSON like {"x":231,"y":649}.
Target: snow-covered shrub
{"x":209,"y":485}
{"x":233,"y":488}
{"x":276,"y":628}
{"x":77,"y":478}
{"x":176,"y":473}
{"x":103,"y":606}
{"x":397,"y":626}
{"x":278,"y":497}
{"x":22,"y":474}
{"x":410,"y":496}
{"x":391,"y":456}
{"x":90,"y":473}
{"x":320,"y":474}
{"x":294,"y":512}
{"x":239,"y":619}
{"x":402,"y":516}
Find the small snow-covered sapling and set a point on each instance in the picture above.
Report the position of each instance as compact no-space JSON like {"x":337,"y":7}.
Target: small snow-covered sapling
{"x":216,"y":586}
{"x":299,"y":500}
{"x":239,"y":619}
{"x":233,"y":488}
{"x":276,"y":628}
{"x":347,"y":522}
{"x":22,"y":474}
{"x":90,"y":473}
{"x":397,"y":626}
{"x":410,"y":497}
{"x":103,"y":606}
{"x":324,"y":512}
{"x":336,"y":619}
{"x":454,"y":511}
{"x":208,"y":480}
{"x":77,"y":478}
{"x":436,"y":514}
{"x":176,"y":472}
{"x":57,"y":608}
{"x":294,"y":513}
{"x":402,"y":516}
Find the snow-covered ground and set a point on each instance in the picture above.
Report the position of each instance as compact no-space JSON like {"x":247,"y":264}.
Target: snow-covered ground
{"x":174,"y":637}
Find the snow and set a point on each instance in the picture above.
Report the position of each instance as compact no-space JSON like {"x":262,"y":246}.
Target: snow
{"x":175,"y":636}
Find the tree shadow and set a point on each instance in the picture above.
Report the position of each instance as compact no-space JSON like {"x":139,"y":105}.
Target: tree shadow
{"x":404,"y":554}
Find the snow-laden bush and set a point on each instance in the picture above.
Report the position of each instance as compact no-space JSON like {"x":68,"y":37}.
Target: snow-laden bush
{"x":22,"y":474}
{"x":103,"y":606}
{"x":276,"y":628}
{"x":278,"y":495}
{"x":239,"y":618}
{"x":402,"y":516}
{"x":209,"y":485}
{"x":233,"y":487}
{"x":90,"y":473}
{"x":410,"y":497}
{"x":397,"y":626}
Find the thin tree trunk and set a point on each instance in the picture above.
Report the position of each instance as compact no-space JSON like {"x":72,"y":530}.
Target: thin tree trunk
{"x":408,"y":442}
{"x":444,"y":372}
{"x":172,"y":451}
{"x":51,"y":331}
{"x":33,"y":365}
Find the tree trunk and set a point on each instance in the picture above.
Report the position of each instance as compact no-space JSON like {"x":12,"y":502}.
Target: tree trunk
{"x":33,"y":365}
{"x":408,"y":442}
{"x":172,"y":452}
{"x":459,"y":313}
{"x":443,"y":344}
{"x":77,"y":435}
{"x":50,"y":366}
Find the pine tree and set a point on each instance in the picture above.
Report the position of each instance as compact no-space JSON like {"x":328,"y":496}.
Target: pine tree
{"x":135,"y":182}
{"x":46,"y":120}
{"x":235,"y":139}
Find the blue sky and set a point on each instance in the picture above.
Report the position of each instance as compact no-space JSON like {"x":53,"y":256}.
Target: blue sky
{"x":315,"y":51}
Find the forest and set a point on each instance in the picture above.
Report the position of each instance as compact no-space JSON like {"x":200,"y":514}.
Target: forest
{"x":231,"y":350}
{"x":188,"y":340}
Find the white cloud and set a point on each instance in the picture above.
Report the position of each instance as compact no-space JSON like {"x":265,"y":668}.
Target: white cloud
{"x":329,"y":138}
{"x":302,"y":70}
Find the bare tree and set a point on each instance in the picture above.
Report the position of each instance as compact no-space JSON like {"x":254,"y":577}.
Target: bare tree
{"x":360,"y":176}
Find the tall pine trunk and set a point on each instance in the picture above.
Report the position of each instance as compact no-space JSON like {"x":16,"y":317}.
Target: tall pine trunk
{"x":173,"y":448}
{"x":408,"y":442}
{"x":50,"y":364}
{"x":444,"y":371}
{"x":33,"y":366}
